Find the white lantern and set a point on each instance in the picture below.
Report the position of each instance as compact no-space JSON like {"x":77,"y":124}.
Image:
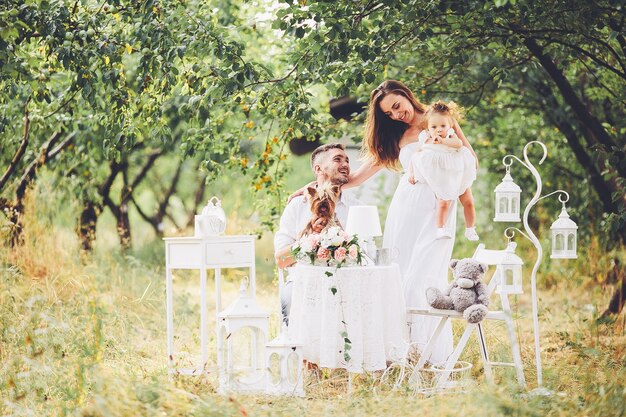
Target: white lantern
{"x":212,"y":221}
{"x":564,"y":236}
{"x":510,"y":270}
{"x":285,"y":366}
{"x":507,"y":200}
{"x":241,"y":337}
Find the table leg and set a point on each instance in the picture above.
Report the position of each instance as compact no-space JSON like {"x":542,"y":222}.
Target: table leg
{"x":218,"y":307}
{"x":218,"y":291}
{"x":253,"y":280}
{"x":169,"y":318}
{"x":204,"y":355}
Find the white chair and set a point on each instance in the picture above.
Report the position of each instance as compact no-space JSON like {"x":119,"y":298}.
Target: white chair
{"x":489,"y":257}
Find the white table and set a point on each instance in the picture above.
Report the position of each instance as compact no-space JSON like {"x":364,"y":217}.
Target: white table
{"x":234,"y":251}
{"x":368,"y":299}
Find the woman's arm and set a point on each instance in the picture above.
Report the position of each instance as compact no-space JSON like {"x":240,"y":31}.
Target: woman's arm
{"x":459,"y":133}
{"x":365,"y":172}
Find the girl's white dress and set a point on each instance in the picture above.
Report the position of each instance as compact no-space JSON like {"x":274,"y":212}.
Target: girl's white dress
{"x":448,"y":171}
{"x":411,"y":234}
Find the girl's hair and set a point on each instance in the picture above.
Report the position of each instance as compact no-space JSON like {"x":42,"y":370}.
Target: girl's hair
{"x":450,"y":109}
{"x":382,"y":134}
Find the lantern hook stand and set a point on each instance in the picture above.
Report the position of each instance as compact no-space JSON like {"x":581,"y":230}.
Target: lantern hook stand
{"x":508,"y":161}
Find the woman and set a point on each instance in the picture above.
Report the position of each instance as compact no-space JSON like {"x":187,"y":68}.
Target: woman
{"x":395,"y":119}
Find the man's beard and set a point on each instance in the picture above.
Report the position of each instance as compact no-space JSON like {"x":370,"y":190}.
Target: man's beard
{"x":339,"y":180}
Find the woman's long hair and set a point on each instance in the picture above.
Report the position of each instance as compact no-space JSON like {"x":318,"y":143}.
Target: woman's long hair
{"x":382,"y":134}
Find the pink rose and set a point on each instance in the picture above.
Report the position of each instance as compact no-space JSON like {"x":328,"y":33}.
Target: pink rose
{"x":353,"y":251}
{"x":315,"y":239}
{"x":343,"y":235}
{"x":323,"y":254}
{"x":340,"y":254}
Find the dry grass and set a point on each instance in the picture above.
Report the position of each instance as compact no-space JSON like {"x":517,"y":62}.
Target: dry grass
{"x":86,"y":337}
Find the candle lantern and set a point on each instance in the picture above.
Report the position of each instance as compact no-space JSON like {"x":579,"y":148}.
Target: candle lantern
{"x":241,"y":338}
{"x":564,"y":235}
{"x":284,"y":363}
{"x":507,"y":200}
{"x":510,"y":270}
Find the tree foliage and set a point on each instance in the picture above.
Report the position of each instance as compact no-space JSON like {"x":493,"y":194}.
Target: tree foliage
{"x":102,"y":92}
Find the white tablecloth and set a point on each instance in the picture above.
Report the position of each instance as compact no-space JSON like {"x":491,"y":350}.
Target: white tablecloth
{"x":369,"y":300}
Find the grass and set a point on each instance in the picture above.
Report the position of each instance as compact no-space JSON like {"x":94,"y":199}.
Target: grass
{"x":85,"y":336}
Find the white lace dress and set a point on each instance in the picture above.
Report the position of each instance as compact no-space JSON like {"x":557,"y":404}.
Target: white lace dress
{"x":448,"y":171}
{"x":410,"y":233}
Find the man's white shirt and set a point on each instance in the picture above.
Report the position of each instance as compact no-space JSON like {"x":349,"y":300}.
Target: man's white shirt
{"x":297,"y":214}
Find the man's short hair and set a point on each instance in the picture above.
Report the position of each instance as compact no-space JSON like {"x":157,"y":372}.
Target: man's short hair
{"x":325,"y":148}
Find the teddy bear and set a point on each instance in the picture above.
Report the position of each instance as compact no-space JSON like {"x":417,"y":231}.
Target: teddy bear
{"x":466,"y":294}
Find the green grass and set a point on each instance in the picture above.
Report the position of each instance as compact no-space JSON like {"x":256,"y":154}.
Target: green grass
{"x":85,"y":336}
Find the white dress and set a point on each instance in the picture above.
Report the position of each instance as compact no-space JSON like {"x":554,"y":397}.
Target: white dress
{"x":410,"y":233}
{"x":448,"y":171}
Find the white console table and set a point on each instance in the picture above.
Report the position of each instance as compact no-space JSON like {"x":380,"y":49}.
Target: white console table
{"x":236,"y":251}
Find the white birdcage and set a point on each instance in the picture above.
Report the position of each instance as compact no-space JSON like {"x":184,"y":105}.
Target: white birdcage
{"x":507,"y":200}
{"x":285,"y":366}
{"x":564,"y":236}
{"x":242,"y":334}
{"x":212,"y":221}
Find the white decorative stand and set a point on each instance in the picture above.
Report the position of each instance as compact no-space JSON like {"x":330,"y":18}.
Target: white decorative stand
{"x":216,"y":252}
{"x":507,"y":204}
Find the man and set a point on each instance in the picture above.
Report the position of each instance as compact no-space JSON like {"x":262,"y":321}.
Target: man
{"x":329,"y":163}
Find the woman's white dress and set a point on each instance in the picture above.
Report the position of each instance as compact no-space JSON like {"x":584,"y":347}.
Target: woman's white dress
{"x":410,"y":233}
{"x":448,"y":171}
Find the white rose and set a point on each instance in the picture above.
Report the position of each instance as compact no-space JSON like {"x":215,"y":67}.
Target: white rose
{"x":337,"y":240}
{"x":306,"y":244}
{"x":334,"y":231}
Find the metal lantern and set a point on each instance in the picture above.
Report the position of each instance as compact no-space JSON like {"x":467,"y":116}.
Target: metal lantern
{"x":285,"y":366}
{"x":564,"y":236}
{"x":212,"y":221}
{"x":507,"y":200}
{"x":242,"y":334}
{"x":510,"y":270}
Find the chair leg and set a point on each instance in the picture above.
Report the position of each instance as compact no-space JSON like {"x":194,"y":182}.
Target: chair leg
{"x":484,"y":353}
{"x":454,"y":357}
{"x":431,"y":343}
{"x":517,"y":357}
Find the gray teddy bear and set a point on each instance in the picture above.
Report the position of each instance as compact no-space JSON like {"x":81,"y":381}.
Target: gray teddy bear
{"x":467,"y":294}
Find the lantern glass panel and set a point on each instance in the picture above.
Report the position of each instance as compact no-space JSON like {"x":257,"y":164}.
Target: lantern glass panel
{"x":571,"y":241}
{"x":515,"y":205}
{"x":293,"y":367}
{"x":246,"y":353}
{"x":508,"y":277}
{"x":502,"y":207}
{"x":275,"y":368}
{"x":559,"y":242}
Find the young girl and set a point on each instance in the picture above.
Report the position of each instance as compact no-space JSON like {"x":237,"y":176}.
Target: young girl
{"x":446,"y":166}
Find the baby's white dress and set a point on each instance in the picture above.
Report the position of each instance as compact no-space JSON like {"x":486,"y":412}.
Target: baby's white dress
{"x":448,"y":171}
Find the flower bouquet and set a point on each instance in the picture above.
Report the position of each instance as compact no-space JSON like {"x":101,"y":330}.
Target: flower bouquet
{"x":331,"y":247}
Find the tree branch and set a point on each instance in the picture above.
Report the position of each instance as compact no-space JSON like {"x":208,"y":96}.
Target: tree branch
{"x":44,"y":156}
{"x":588,"y":54}
{"x":152,"y":157}
{"x":589,"y":121}
{"x":20,"y":151}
